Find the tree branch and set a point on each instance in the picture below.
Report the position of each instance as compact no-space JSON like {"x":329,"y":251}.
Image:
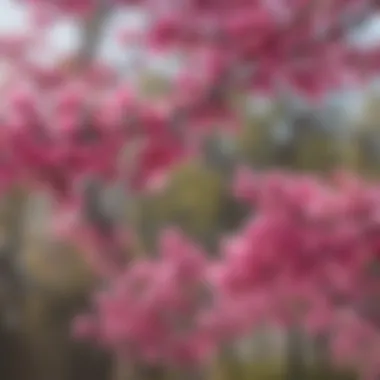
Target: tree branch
{"x":92,"y":32}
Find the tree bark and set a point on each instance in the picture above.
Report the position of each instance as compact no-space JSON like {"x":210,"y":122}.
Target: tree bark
{"x":91,"y":34}
{"x":295,"y":360}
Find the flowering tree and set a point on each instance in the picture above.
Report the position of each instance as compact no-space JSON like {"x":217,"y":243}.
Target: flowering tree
{"x":66,"y":130}
{"x":314,"y":245}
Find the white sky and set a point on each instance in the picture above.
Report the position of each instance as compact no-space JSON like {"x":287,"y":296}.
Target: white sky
{"x":65,"y":36}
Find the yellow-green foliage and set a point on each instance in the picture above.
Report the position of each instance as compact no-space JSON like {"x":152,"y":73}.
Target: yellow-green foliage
{"x":269,"y":372}
{"x":192,"y":200}
{"x":196,"y":199}
{"x":359,"y":151}
{"x":228,"y":370}
{"x":360,"y":156}
{"x":255,"y":144}
{"x":314,"y":150}
{"x":57,"y":267}
{"x":153,"y":86}
{"x":193,"y":197}
{"x":273,"y":371}
{"x":309,"y":149}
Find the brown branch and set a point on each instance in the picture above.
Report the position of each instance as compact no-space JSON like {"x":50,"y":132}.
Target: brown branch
{"x":91,"y":34}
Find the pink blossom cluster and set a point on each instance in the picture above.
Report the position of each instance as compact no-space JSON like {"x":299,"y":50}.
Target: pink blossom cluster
{"x":308,"y":254}
{"x":157,"y":311}
{"x":312,"y":246}
{"x":292,"y":40}
{"x":62,"y":131}
{"x":60,"y":139}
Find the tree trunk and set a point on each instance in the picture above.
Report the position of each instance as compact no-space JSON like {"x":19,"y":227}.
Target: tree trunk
{"x":322,"y":357}
{"x":295,"y":360}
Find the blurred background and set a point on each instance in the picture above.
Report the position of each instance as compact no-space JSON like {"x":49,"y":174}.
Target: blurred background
{"x":281,"y":132}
